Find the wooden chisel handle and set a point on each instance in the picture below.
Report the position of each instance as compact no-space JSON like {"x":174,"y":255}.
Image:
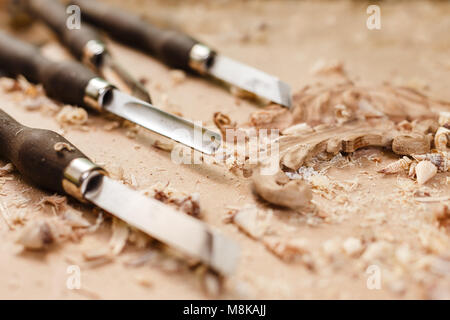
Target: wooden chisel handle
{"x":33,"y":153}
{"x":64,"y":81}
{"x":174,"y":48}
{"x":53,"y":14}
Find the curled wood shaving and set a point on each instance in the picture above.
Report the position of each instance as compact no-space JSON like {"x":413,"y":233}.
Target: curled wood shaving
{"x":60,"y":146}
{"x":296,"y":150}
{"x":397,"y":166}
{"x":223,"y":122}
{"x":442,"y":139}
{"x":36,"y":236}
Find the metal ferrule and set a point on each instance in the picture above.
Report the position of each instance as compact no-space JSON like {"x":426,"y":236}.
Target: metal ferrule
{"x":200,"y":58}
{"x":93,"y":53}
{"x":95,"y":92}
{"x":77,"y":176}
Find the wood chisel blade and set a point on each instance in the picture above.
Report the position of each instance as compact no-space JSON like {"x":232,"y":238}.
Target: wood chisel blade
{"x":250,"y":79}
{"x":165,"y":224}
{"x":166,"y":124}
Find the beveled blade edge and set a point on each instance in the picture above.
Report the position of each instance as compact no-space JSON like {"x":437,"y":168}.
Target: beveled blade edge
{"x":251,"y":79}
{"x":164,"y":223}
{"x":163,"y":123}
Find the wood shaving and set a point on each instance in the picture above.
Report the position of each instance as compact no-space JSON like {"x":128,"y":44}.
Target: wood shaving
{"x":143,"y":280}
{"x":397,"y":166}
{"x":58,"y":202}
{"x":323,"y":67}
{"x":37,"y":235}
{"x":177,"y":76}
{"x":315,"y":104}
{"x":6,"y":216}
{"x":352,"y":246}
{"x":165,"y":145}
{"x":289,"y":250}
{"x":75,"y":219}
{"x":111,"y":125}
{"x":444,"y":118}
{"x":60,"y":146}
{"x":440,"y":159}
{"x":411,"y":143}
{"x":271,"y":117}
{"x":252,"y":221}
{"x":189,"y":204}
{"x":425,"y":170}
{"x":278,"y":189}
{"x":72,"y":116}
{"x":7,"y":169}
{"x":223,"y":122}
{"x":119,"y":237}
{"x":442,"y":139}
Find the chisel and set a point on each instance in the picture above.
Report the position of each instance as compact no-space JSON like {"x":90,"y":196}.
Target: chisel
{"x":181,"y":51}
{"x":72,"y":83}
{"x":33,"y":152}
{"x":84,"y":43}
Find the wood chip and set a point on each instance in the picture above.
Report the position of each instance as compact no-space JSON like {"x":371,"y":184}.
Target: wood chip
{"x":37,"y":235}
{"x":60,"y":146}
{"x":6,"y":169}
{"x":120,"y":233}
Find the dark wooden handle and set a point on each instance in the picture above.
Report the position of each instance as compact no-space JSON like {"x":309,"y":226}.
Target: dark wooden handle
{"x":170,"y":46}
{"x":32,"y":151}
{"x":53,"y":14}
{"x":64,"y":81}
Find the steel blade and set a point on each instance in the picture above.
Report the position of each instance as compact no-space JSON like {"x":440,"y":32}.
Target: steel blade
{"x":166,"y":124}
{"x":117,"y":75}
{"x":251,"y":79}
{"x":164,"y":223}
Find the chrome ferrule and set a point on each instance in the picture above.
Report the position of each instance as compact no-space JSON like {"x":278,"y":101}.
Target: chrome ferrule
{"x":95,"y":92}
{"x":93,"y":53}
{"x":77,"y":175}
{"x":200,"y":58}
